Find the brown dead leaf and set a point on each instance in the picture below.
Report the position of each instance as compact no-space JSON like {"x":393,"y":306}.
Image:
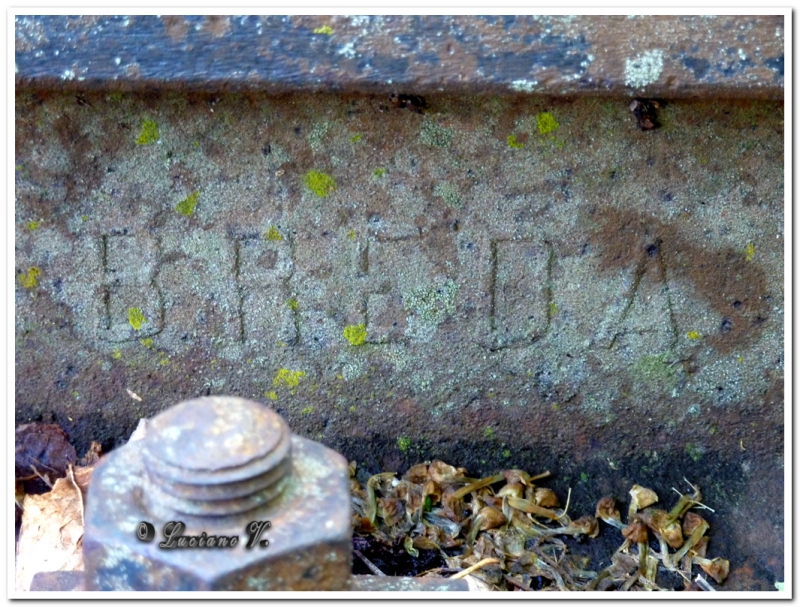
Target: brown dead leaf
{"x":51,"y":533}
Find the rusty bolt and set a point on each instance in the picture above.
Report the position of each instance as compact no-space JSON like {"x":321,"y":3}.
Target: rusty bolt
{"x":221,"y":466}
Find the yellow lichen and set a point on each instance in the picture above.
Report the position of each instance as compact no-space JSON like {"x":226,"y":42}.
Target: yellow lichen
{"x":403,"y":443}
{"x":320,"y":183}
{"x":116,"y":354}
{"x":546,"y":123}
{"x":355,"y":138}
{"x":325,"y":29}
{"x":356,"y":334}
{"x":749,"y":251}
{"x":136,"y":318}
{"x":33,"y":225}
{"x":351,"y":234}
{"x":273,"y":234}
{"x":147,"y":342}
{"x":693,"y":335}
{"x":149,"y":133}
{"x":307,"y":410}
{"x":293,"y":304}
{"x":30,"y":279}
{"x":187,"y":205}
{"x":272,"y":395}
{"x":285,"y":377}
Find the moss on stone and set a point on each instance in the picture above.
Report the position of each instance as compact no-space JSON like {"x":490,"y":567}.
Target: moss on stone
{"x":403,"y":443}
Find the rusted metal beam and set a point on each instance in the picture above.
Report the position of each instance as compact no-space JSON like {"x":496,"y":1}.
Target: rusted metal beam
{"x":656,"y":56}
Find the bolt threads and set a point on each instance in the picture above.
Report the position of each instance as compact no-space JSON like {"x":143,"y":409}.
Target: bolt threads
{"x":216,"y":457}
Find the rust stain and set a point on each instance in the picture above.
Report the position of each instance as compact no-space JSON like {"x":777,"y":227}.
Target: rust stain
{"x":177,"y":27}
{"x":217,"y":25}
{"x":735,"y":288}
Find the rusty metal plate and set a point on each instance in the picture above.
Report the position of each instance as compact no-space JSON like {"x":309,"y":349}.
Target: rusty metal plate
{"x":655,"y":55}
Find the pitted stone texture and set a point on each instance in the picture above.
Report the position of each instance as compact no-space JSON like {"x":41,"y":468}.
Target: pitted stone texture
{"x":309,"y":536}
{"x":648,"y":331}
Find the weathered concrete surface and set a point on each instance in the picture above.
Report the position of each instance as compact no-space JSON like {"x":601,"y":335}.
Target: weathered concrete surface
{"x":542,"y":284}
{"x":653,"y":55}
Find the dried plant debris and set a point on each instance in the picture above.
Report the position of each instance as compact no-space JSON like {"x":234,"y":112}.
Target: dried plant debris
{"x":508,"y":532}
{"x":52,"y":530}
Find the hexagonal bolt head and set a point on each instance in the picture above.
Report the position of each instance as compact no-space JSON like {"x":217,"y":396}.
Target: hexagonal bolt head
{"x":218,"y":464}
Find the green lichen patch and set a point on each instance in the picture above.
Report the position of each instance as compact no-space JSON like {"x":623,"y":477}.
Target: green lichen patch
{"x":34,"y":225}
{"x":403,"y":443}
{"x":434,"y":303}
{"x":656,"y":369}
{"x":273,"y":234}
{"x":546,"y":123}
{"x":293,"y":304}
{"x":187,"y":205}
{"x":429,"y":307}
{"x":449,"y":193}
{"x":435,"y":135}
{"x":693,"y":451}
{"x":149,"y":133}
{"x":136,"y":318}
{"x":513,"y":143}
{"x":379,"y":172}
{"x":356,"y":334}
{"x":325,"y":29}
{"x":355,"y":138}
{"x":30,"y":279}
{"x":319,"y":183}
